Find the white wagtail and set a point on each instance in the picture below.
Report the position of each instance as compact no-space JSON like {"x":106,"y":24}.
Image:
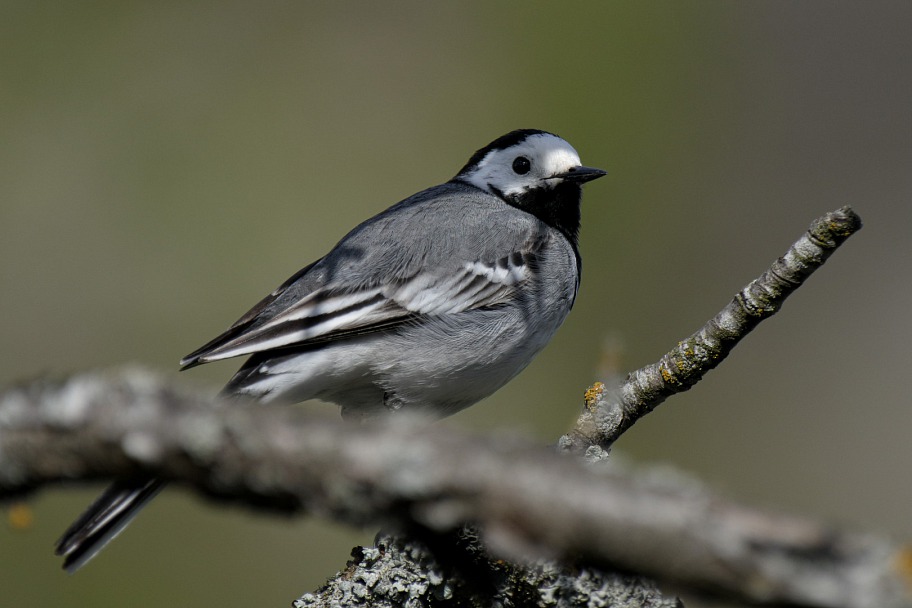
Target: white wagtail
{"x":429,"y":306}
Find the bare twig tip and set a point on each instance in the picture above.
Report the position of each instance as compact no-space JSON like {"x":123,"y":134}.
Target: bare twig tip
{"x":833,"y":228}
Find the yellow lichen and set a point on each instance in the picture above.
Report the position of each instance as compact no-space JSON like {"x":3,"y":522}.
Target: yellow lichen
{"x":593,"y":394}
{"x":904,"y":564}
{"x":20,"y":516}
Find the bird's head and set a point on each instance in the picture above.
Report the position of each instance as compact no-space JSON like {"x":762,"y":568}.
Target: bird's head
{"x":523,"y":161}
{"x":535,"y":171}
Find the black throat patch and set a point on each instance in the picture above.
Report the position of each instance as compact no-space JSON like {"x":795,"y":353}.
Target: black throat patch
{"x":558,"y":207}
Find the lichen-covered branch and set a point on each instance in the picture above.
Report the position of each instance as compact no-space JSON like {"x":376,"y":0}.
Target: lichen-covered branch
{"x":525,"y":499}
{"x":609,"y":413}
{"x":399,"y":572}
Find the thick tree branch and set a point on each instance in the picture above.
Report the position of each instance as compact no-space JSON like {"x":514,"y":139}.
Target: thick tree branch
{"x":609,"y":414}
{"x":524,"y":498}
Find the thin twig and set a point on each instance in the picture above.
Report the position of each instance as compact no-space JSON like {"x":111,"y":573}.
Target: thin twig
{"x":608,"y":414}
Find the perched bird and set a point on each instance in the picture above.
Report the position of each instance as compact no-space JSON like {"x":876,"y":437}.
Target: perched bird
{"x":429,"y":306}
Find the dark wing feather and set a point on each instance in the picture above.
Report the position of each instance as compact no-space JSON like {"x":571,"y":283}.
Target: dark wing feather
{"x":238,"y":327}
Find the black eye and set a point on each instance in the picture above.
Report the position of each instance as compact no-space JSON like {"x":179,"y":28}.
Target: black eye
{"x":521,"y":165}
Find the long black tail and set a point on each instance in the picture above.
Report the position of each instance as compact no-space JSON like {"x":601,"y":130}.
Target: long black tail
{"x":110,"y":513}
{"x":101,"y":522}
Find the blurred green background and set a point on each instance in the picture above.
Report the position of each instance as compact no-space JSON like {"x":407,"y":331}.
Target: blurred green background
{"x":164,"y":165}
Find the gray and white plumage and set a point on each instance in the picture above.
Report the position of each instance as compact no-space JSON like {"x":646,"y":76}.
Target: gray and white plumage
{"x":430,"y":306}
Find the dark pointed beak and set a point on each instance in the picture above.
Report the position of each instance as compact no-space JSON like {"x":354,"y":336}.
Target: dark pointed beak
{"x":580,"y":175}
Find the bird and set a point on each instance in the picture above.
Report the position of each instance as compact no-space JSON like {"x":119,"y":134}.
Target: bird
{"x":427,"y":307}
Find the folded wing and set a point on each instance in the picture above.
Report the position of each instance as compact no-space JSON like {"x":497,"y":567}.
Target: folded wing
{"x":333,"y":312}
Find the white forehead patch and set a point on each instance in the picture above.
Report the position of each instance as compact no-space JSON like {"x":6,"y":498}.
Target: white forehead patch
{"x":548,"y":155}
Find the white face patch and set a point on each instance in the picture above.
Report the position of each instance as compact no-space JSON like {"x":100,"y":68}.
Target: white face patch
{"x":548,"y":155}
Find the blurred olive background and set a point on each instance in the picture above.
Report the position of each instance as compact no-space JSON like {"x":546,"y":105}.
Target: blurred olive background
{"x":164,"y":165}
